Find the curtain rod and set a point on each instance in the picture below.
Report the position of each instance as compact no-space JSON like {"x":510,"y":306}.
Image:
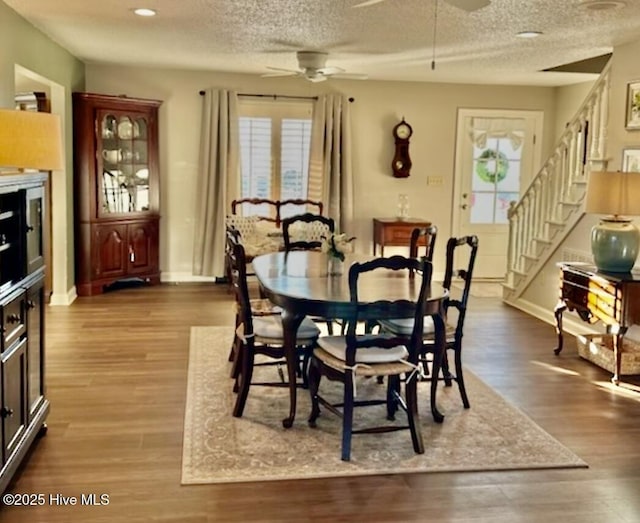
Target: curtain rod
{"x":276,"y":96}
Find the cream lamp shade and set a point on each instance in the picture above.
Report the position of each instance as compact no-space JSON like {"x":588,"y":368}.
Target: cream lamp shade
{"x":615,"y":241}
{"x":30,"y":140}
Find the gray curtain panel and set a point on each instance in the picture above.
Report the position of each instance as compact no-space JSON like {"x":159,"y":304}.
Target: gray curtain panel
{"x":218,"y":179}
{"x":330,"y":159}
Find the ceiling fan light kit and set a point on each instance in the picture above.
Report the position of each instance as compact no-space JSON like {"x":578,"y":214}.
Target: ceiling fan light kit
{"x":529,"y":34}
{"x":603,"y":5}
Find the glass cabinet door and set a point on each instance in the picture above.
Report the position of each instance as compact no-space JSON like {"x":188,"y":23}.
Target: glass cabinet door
{"x":123,"y":153}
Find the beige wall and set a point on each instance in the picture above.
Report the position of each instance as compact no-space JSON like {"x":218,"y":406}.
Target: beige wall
{"x":378,"y":106}
{"x":625,"y":68}
{"x":430,"y":108}
{"x":569,"y":98}
{"x":542,"y":294}
{"x":25,"y":49}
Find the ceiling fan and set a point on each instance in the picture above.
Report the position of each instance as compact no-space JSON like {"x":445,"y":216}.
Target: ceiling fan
{"x":466,"y":5}
{"x":312,"y":68}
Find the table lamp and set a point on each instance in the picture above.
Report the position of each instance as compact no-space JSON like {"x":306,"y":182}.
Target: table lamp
{"x":30,"y":140}
{"x":615,"y":241}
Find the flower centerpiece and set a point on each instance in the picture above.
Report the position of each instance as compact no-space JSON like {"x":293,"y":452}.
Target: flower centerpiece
{"x":335,"y":245}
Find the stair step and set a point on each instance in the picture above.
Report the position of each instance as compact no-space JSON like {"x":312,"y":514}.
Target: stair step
{"x":571,"y":204}
{"x":531,"y":257}
{"x":545,"y":241}
{"x":555,"y":223}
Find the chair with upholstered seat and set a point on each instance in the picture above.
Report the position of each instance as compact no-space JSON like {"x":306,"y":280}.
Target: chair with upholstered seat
{"x":456,"y":257}
{"x":259,"y":334}
{"x":419,"y":235}
{"x":259,"y":306}
{"x":346,"y":358}
{"x":304,"y":232}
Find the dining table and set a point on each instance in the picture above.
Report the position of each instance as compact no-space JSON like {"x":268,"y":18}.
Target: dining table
{"x":299,"y":282}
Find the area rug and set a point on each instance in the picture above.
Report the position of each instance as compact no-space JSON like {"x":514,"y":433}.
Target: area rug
{"x":218,"y":448}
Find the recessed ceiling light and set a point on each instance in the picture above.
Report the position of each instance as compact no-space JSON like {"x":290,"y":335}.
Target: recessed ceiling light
{"x":603,"y":5}
{"x":143,"y":11}
{"x":529,"y":34}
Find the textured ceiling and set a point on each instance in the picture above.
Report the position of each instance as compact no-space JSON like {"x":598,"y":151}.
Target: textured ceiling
{"x":392,"y":40}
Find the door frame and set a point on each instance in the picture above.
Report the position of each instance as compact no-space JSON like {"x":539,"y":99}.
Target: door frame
{"x":491,"y":113}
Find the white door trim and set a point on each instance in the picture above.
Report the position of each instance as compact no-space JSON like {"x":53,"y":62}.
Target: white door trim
{"x":489,"y":113}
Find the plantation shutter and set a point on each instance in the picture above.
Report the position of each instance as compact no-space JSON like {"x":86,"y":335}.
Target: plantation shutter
{"x":275,"y":146}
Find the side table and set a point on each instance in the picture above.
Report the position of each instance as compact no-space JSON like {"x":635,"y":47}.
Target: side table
{"x":612,"y":298}
{"x":395,"y":232}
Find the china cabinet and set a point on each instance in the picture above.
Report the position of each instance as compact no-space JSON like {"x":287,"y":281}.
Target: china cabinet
{"x":23,"y":404}
{"x":116,"y":190}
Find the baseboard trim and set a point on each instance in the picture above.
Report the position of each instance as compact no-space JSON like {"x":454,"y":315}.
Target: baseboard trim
{"x":570,"y":325}
{"x":185,"y":277}
{"x":63,"y":300}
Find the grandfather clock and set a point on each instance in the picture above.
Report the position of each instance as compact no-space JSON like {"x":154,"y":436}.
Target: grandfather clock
{"x":401,"y":163}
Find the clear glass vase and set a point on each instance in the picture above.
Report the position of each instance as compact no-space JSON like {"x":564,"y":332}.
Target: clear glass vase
{"x":403,"y":206}
{"x":335,"y":266}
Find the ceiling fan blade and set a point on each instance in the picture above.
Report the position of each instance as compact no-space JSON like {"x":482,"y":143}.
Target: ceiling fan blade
{"x":367,"y":3}
{"x":330,"y":70}
{"x":469,"y":5}
{"x":283,"y":70}
{"x":278,"y":71}
{"x":350,"y":76}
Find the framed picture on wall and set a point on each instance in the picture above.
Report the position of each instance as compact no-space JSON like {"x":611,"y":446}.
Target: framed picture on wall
{"x":633,"y":106}
{"x":631,"y":160}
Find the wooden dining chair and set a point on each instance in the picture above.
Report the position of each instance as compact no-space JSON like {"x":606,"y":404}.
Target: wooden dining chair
{"x":259,"y":306}
{"x":417,"y":234}
{"x":313,"y":227}
{"x":428,"y":236}
{"x":459,"y":270}
{"x":259,"y":334}
{"x":349,"y":357}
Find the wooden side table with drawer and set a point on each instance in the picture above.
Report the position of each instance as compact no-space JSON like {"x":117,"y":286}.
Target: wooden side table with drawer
{"x":395,"y":232}
{"x":609,"y":297}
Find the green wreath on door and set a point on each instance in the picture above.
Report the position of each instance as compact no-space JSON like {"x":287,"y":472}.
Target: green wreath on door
{"x":502,"y":166}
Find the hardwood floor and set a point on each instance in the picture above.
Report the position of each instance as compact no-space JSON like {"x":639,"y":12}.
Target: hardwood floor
{"x":116,"y":374}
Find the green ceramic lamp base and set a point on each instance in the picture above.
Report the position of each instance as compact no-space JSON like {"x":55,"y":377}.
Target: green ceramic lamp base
{"x":615,"y":242}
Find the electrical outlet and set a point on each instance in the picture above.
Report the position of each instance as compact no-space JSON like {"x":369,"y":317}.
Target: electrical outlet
{"x":435,"y":180}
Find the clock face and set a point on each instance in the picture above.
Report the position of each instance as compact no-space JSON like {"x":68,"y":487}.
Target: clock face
{"x":403,"y":131}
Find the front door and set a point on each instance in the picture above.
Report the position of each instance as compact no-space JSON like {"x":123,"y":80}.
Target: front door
{"x":497,"y":155}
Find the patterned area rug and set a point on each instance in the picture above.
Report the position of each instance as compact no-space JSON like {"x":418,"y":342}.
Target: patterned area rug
{"x":218,"y":448}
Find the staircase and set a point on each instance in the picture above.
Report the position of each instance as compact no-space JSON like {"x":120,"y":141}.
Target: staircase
{"x":552,"y":205}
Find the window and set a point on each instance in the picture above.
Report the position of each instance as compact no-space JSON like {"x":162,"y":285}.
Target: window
{"x":496,"y":180}
{"x":275,"y":138}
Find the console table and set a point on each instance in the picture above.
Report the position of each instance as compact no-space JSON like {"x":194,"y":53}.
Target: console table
{"x":395,"y":232}
{"x":613,"y":298}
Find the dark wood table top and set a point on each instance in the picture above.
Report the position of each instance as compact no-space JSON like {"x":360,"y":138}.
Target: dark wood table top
{"x":417,"y":222}
{"x":298,"y":281}
{"x":591,"y":270}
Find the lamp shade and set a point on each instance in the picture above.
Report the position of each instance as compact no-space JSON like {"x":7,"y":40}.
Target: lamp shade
{"x":614,"y":193}
{"x":615,"y":241}
{"x":30,"y":140}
